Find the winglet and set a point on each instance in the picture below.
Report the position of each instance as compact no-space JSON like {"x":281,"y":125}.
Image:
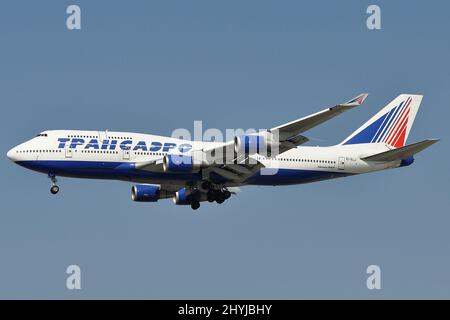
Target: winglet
{"x":356,"y":101}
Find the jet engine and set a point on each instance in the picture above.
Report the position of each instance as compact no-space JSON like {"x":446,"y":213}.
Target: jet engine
{"x":185,"y":196}
{"x":262,"y":143}
{"x":184,"y":163}
{"x":148,"y":193}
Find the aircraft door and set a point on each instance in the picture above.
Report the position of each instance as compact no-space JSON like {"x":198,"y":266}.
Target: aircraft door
{"x":68,"y":151}
{"x":341,"y":163}
{"x":126,"y":154}
{"x":102,"y":135}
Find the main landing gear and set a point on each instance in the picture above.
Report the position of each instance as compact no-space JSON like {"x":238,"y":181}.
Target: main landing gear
{"x":195,"y":205}
{"x":212,"y":192}
{"x":194,"y":199}
{"x":54,"y":189}
{"x":218,"y":195}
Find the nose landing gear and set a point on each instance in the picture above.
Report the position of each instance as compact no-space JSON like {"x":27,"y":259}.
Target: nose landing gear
{"x":54,"y":189}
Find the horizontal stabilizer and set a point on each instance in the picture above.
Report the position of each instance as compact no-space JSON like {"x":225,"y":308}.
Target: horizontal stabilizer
{"x":403,"y":152}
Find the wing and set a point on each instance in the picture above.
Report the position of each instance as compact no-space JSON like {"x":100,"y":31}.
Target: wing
{"x":292,"y":129}
{"x":152,"y":165}
{"x":289,"y":135}
{"x":237,"y":172}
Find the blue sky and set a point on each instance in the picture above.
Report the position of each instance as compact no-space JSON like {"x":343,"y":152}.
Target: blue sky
{"x":153,"y":66}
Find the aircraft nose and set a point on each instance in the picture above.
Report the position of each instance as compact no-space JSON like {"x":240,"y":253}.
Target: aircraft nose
{"x":11,"y":154}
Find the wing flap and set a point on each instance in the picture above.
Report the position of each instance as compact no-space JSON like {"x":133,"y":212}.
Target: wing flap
{"x":152,"y":165}
{"x":238,"y":172}
{"x":292,"y":143}
{"x":226,"y":174}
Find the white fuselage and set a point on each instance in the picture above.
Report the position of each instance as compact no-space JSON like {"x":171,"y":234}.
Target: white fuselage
{"x":100,"y":154}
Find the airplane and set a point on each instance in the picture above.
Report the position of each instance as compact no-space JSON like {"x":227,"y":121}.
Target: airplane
{"x":191,"y":172}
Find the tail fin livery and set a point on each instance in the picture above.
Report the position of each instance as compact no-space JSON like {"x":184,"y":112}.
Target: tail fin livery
{"x":391,"y":125}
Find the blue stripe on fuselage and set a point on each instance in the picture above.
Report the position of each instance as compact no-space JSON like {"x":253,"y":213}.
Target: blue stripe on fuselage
{"x":100,"y":170}
{"x":294,"y":176}
{"x":127,"y":171}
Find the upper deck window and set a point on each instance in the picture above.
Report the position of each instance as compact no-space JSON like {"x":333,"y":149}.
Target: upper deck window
{"x":42,"y":135}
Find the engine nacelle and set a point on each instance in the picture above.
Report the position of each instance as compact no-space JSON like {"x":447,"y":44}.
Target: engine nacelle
{"x":181,"y":197}
{"x":185,"y":197}
{"x":145,"y":193}
{"x":262,"y":143}
{"x":184,"y":163}
{"x":178,"y":163}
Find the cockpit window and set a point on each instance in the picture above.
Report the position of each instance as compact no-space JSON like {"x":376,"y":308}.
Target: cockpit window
{"x":42,"y":135}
